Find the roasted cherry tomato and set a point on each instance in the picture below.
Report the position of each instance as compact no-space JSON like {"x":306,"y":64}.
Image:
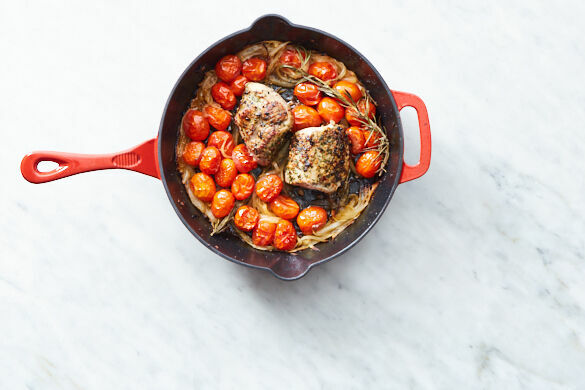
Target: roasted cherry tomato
{"x":246,"y":218}
{"x":368,"y":164}
{"x":285,"y":236}
{"x":346,"y":87}
{"x":356,"y":137}
{"x":290,"y":57}
{"x":228,"y":68}
{"x":244,"y":161}
{"x":330,"y":110}
{"x":210,"y":160}
{"x":284,"y":207}
{"x":307,"y":93}
{"x":372,"y":138}
{"x":195,"y":125}
{"x":226,"y":174}
{"x":305,"y":116}
{"x":223,"y":95}
{"x":268,"y":188}
{"x":263,"y":233}
{"x":222,"y":203}
{"x":238,"y":84}
{"x":218,"y":117}
{"x":311,"y":219}
{"x":323,"y":70}
{"x":202,"y":186}
{"x":192,"y":153}
{"x":254,"y":69}
{"x":243,"y":186}
{"x":365,"y":107}
{"x":223,"y":141}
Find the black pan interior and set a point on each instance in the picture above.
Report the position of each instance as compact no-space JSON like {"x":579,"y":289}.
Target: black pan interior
{"x":283,"y":265}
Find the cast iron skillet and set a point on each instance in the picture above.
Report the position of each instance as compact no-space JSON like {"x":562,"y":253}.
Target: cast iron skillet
{"x":156,"y":157}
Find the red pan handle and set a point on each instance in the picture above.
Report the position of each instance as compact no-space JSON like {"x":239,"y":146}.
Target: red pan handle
{"x":142,"y":158}
{"x":411,"y":172}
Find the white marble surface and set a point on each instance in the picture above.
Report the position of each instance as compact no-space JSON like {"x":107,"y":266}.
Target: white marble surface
{"x":474,"y":277}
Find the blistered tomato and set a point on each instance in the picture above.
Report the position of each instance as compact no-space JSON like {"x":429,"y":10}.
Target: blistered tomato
{"x":243,"y":186}
{"x":305,"y":116}
{"x":345,"y":87}
{"x":290,"y":57}
{"x":307,"y":93}
{"x":210,"y":160}
{"x":356,"y":137}
{"x":330,"y":110}
{"x":284,"y":207}
{"x":222,"y":203}
{"x":365,"y":107}
{"x":244,"y":161}
{"x":311,"y":219}
{"x":218,"y":117}
{"x":372,"y":138}
{"x":202,"y":186}
{"x":223,"y":95}
{"x":228,"y":68}
{"x":226,"y":174}
{"x":254,"y":69}
{"x":192,"y":153}
{"x":223,"y":141}
{"x":238,"y":85}
{"x":368,"y":164}
{"x":323,"y":70}
{"x":268,"y":188}
{"x":285,"y":236}
{"x":263,"y":233}
{"x":195,"y":125}
{"x":246,"y":218}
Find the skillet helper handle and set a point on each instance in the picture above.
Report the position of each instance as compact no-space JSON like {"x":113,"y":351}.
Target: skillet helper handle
{"x":411,"y":172}
{"x":142,"y":158}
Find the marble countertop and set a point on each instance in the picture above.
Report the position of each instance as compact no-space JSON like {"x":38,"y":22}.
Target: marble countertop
{"x":474,"y":277}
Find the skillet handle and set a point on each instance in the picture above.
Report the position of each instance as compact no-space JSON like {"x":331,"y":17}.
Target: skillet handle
{"x":142,"y":158}
{"x":411,"y":172}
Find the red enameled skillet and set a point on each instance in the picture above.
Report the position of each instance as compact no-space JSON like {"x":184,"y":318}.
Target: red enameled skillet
{"x":156,"y":157}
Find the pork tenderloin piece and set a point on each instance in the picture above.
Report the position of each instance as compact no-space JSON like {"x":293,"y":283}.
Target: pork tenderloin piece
{"x":318,"y":158}
{"x":265,"y":121}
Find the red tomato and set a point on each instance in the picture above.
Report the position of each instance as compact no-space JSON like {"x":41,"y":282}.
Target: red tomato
{"x":263,"y":233}
{"x":345,"y":87}
{"x":223,"y":141}
{"x":238,"y":85}
{"x":243,"y":186}
{"x":330,"y":110}
{"x":284,"y":207}
{"x":192,"y":153}
{"x":307,"y":93}
{"x":202,"y":186}
{"x":226,"y":174}
{"x":290,"y":57}
{"x":244,"y":161}
{"x":268,"y":188}
{"x":311,"y":219}
{"x":285,"y":236}
{"x":368,"y":164}
{"x":228,"y":68}
{"x":254,"y":69}
{"x":222,"y":203}
{"x":305,"y":116}
{"x":246,"y":218}
{"x":356,"y":137}
{"x":365,"y":108}
{"x":223,"y":95}
{"x":218,"y":117}
{"x":372,"y":138}
{"x":323,"y":70}
{"x":195,"y":125}
{"x":210,"y":160}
